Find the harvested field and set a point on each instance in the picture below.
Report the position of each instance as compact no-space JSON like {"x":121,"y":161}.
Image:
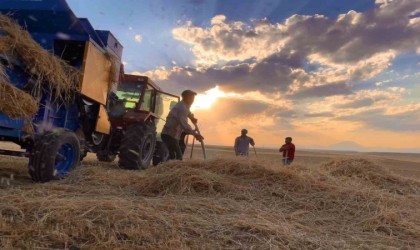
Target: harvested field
{"x":219,"y":203}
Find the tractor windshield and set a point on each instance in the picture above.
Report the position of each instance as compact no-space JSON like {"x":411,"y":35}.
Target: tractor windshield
{"x":130,"y":93}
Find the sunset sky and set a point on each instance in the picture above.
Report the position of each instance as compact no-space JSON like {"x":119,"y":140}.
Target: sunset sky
{"x":323,"y":72}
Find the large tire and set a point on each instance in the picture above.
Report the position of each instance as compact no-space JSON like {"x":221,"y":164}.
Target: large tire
{"x":161,"y":154}
{"x":137,"y":146}
{"x":54,"y":155}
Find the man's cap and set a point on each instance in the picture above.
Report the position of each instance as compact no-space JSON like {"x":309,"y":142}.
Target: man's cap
{"x":188,"y":93}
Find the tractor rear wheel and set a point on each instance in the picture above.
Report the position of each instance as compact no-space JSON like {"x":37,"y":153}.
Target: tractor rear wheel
{"x":137,"y":146}
{"x":54,"y":155}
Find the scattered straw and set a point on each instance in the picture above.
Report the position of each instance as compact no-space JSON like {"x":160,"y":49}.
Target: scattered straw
{"x":216,"y":204}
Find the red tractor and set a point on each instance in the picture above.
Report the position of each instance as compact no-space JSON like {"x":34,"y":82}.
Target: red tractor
{"x":136,"y":111}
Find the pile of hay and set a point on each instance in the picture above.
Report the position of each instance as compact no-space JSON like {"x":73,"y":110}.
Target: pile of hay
{"x":217,"y":204}
{"x":13,"y":101}
{"x":47,"y":70}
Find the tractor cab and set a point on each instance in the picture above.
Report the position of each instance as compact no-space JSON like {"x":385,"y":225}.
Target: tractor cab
{"x":139,"y":99}
{"x":133,"y":101}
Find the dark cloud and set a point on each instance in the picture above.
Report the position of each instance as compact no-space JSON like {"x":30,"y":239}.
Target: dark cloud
{"x":357,"y":104}
{"x":281,"y":52}
{"x":228,"y":108}
{"x":323,"y":91}
{"x":273,"y":74}
{"x":306,"y":57}
{"x":320,"y":114}
{"x":282,"y":112}
{"x":356,"y":36}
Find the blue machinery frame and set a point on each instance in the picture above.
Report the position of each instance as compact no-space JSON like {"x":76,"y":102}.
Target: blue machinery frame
{"x":53,"y":25}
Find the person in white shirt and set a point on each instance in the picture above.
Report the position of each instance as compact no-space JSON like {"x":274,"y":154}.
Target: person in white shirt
{"x":177,"y":123}
{"x":242,"y":144}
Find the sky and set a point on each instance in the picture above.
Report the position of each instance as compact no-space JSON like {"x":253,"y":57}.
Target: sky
{"x":322,"y":72}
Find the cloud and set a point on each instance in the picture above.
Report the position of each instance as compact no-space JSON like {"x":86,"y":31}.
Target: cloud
{"x":229,"y":41}
{"x":323,"y":90}
{"x":220,"y":19}
{"x":160,"y":73}
{"x":351,"y":37}
{"x":228,"y":108}
{"x":380,"y":109}
{"x":299,"y":57}
{"x":378,"y":118}
{"x":357,"y":103}
{"x":138,"y":38}
{"x":275,"y":73}
{"x":307,"y":74}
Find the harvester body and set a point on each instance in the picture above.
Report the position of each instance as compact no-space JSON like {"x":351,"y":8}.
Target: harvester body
{"x":74,"y":119}
{"x":98,"y":110}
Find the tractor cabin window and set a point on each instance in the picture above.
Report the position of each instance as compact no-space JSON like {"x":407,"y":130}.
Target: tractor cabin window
{"x":147,"y":101}
{"x":130,"y":93}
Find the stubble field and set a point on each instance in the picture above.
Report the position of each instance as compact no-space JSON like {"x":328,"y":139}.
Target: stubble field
{"x":324,"y":201}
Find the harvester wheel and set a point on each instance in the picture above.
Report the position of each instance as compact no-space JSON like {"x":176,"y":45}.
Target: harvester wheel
{"x":161,"y":155}
{"x":54,"y":155}
{"x":137,"y":146}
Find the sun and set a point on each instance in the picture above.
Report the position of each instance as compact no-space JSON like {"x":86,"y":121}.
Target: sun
{"x":207,"y":99}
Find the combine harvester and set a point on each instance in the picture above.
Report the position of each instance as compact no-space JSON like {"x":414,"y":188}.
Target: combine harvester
{"x":59,"y":97}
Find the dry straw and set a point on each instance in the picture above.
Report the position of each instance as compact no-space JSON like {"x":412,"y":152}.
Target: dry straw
{"x":216,"y":204}
{"x":47,"y":70}
{"x":13,"y":101}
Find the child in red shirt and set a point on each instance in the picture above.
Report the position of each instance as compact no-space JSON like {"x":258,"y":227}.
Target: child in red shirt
{"x":288,"y":150}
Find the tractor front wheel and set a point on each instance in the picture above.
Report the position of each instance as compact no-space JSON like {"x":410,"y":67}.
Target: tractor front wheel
{"x":137,"y":146}
{"x":54,"y":155}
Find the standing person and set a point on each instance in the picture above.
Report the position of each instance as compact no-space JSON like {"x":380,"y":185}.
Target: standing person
{"x":288,"y":150}
{"x":177,"y":123}
{"x":182,"y":143}
{"x":242,"y":144}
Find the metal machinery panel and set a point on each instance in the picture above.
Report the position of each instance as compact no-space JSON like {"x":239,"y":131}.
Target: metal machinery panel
{"x":96,"y":70}
{"x":103,"y":125}
{"x":110,"y":42}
